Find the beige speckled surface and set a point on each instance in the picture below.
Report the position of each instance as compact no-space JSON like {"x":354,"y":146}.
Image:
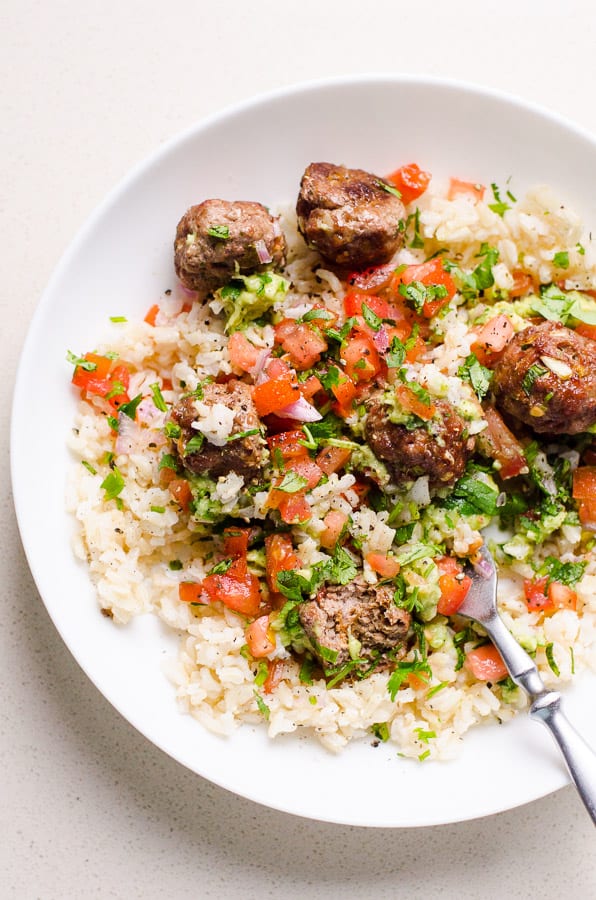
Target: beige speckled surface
{"x":89,"y":808}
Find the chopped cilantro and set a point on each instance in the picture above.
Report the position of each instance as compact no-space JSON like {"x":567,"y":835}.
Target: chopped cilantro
{"x":572,"y":655}
{"x":316,"y":314}
{"x":371,"y":318}
{"x":396,"y":354}
{"x":194,"y":444}
{"x":561,"y":260}
{"x":424,"y":755}
{"x":175,"y":565}
{"x":242,"y":434}
{"x":580,"y":249}
{"x":219,"y":232}
{"x":306,"y":670}
{"x":113,"y":423}
{"x":477,"y":496}
{"x":483,"y":273}
{"x":171,"y":430}
{"x":330,"y":379}
{"x":157,"y":509}
{"x":550,"y":658}
{"x":534,"y":372}
{"x":403,"y":670}
{"x":158,"y":399}
{"x":417,"y":243}
{"x":130,"y":409}
{"x":417,"y":293}
{"x":425,"y":736}
{"x":112,"y":484}
{"x":498,"y":207}
{"x":568,"y":573}
{"x":291,"y":483}
{"x":390,"y":189}
{"x":89,"y":467}
{"x":222,"y":567}
{"x":118,"y":319}
{"x":263,"y":708}
{"x":380,"y":731}
{"x":262,"y":672}
{"x":436,"y":688}
{"x":477,"y":374}
{"x":168,"y":462}
{"x":80,"y":362}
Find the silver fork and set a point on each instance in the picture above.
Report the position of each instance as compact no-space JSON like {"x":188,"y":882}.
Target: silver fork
{"x":480,"y":605}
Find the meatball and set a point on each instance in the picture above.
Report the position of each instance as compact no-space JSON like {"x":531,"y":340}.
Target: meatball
{"x":218,"y":239}
{"x":440,"y":448}
{"x":340,"y":614}
{"x":547,"y":379}
{"x":244,"y":456}
{"x":349,"y":216}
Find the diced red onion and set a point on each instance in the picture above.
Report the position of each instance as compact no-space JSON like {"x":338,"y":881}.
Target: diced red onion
{"x":149,"y":414}
{"x":276,"y":228}
{"x":130,"y":438}
{"x":263,"y":252}
{"x":483,"y":567}
{"x":301,"y":410}
{"x":258,"y":370}
{"x":381,"y":339}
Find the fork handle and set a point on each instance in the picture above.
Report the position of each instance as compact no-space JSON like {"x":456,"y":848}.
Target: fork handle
{"x":546,"y":708}
{"x":580,"y":759}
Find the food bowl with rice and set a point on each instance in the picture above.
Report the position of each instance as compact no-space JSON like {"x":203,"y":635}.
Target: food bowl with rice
{"x":303,"y":391}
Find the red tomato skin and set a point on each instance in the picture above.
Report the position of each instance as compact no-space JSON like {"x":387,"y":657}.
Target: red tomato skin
{"x":410,"y":180}
{"x":465,"y":188}
{"x":287,"y":443}
{"x":243,"y":354}
{"x":485,"y":663}
{"x":280,"y":557}
{"x":275,"y":394}
{"x":361,"y":358}
{"x":259,"y":638}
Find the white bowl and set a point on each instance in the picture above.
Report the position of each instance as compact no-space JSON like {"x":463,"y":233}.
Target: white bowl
{"x":118,"y":265}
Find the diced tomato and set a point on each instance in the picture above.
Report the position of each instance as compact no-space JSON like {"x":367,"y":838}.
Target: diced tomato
{"x":584,"y":483}
{"x":429,"y":273}
{"x":288,"y":444}
{"x":260,"y":638}
{"x":459,"y":188}
{"x":191,"y":592}
{"x":486,"y":664}
{"x":417,"y":349}
{"x":295,"y":508}
{"x":280,"y":557}
{"x":108,"y":379}
{"x":411,"y":181}
{"x":535,"y":593}
{"x":371,"y":279}
{"x":275,"y":394}
{"x":454,"y":586}
{"x":588,"y":331}
{"x":278,"y":368}
{"x":119,"y":376}
{"x":152,"y":315}
{"x":353,"y":301}
{"x":274,"y":675}
{"x":243,"y":354}
{"x":334,"y":523}
{"x":544,"y":597}
{"x":180,"y":490}
{"x":411,"y":404}
{"x":587,"y":514}
{"x":303,"y":343}
{"x":492,"y":338}
{"x":237,"y":588}
{"x":304,"y":468}
{"x":522,"y":284}
{"x":310,"y":387}
{"x":331,"y":459}
{"x":561,"y":596}
{"x":384,"y":565}
{"x":360,"y":357}
{"x":236,"y":542}
{"x":308,"y":469}
{"x":166,"y":475}
{"x":345,"y":393}
{"x":501,"y":445}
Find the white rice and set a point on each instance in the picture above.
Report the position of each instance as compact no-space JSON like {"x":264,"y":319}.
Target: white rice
{"x":128,"y":550}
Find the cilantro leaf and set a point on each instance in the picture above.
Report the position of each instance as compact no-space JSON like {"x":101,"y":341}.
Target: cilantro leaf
{"x":80,"y":362}
{"x":396,"y":354}
{"x":390,"y":189}
{"x":568,"y":573}
{"x":291,"y":483}
{"x":477,"y":374}
{"x":158,"y":399}
{"x":498,"y":207}
{"x":130,"y":409}
{"x":112,"y":484}
{"x":219,"y":232}
{"x":371,"y":318}
{"x":561,"y":260}
{"x":417,"y":666}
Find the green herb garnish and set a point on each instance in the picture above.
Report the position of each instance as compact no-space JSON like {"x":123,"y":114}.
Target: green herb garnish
{"x":219,"y":232}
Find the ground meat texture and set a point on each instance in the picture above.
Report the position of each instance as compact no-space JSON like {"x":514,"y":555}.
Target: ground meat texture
{"x":348,"y":216}
{"x":440,"y":448}
{"x":357,"y":611}
{"x":245,"y":456}
{"x":547,"y":379}
{"x":218,"y":238}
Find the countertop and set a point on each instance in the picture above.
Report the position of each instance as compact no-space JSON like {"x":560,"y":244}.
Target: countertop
{"x":89,"y":808}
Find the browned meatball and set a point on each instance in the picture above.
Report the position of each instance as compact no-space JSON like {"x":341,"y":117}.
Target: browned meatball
{"x":547,"y":379}
{"x":440,"y":448}
{"x":218,"y":238}
{"x":348,"y":216}
{"x":244,"y":456}
{"x":363,"y":612}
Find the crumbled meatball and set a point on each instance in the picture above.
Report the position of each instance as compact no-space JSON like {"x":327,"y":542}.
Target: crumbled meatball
{"x":440,"y":448}
{"x":547,"y":378}
{"x":218,"y":239}
{"x":245,"y":456}
{"x":341,"y":614}
{"x":348,"y":216}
